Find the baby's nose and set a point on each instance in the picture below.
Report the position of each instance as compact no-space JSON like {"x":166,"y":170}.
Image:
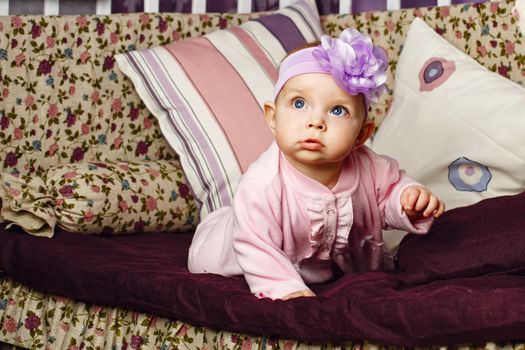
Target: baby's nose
{"x":316,"y":124}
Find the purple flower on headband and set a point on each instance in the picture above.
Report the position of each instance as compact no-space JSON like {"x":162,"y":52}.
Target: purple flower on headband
{"x":354,"y":62}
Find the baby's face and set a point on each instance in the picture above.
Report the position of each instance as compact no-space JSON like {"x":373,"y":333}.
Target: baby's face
{"x":315,"y":121}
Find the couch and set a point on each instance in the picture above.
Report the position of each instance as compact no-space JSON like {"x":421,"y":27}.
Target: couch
{"x":69,"y":117}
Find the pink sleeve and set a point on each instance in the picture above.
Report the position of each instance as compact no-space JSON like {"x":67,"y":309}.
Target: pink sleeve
{"x":257,"y":241}
{"x":390,"y":182}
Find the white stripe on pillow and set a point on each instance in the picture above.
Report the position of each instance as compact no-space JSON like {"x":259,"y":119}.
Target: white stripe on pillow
{"x":270,"y":45}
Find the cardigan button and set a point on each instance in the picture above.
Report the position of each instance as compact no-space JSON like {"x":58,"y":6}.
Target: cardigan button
{"x":330,"y":212}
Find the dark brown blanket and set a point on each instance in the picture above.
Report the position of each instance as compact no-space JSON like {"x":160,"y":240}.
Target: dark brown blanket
{"x":447,"y":292}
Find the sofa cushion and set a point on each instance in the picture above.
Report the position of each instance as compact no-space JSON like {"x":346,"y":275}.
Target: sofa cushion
{"x":454,"y":125}
{"x":100,"y":198}
{"x":207,"y":94}
{"x":148,"y":273}
{"x":483,"y":238}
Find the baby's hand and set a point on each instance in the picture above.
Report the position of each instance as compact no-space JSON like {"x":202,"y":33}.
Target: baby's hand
{"x":418,"y":201}
{"x":299,"y":293}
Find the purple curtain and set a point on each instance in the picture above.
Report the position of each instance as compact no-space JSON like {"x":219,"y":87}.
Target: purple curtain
{"x":417,"y":3}
{"x":264,"y":5}
{"x":221,"y":6}
{"x":328,"y":6}
{"x":126,"y":6}
{"x":175,"y":6}
{"x":368,"y":5}
{"x":466,"y":1}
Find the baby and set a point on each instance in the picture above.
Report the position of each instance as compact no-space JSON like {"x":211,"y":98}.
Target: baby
{"x":314,"y":204}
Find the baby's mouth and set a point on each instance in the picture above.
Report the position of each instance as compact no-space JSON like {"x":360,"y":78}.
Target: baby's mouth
{"x":311,"y":144}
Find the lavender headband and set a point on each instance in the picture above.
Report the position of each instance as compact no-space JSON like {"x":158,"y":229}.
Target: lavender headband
{"x":356,"y":65}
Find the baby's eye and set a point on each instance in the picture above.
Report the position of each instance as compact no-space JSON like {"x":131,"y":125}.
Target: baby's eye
{"x":299,"y":103}
{"x":339,"y":111}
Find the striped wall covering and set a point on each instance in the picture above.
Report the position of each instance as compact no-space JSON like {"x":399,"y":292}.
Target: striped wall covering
{"x":208,"y":92}
{"x":72,"y":7}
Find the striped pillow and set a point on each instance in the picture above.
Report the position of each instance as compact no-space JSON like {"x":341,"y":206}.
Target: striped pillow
{"x":207,"y":94}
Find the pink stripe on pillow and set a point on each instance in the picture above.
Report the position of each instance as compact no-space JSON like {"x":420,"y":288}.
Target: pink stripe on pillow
{"x":256,"y":52}
{"x":227,"y":96}
{"x":154,"y":66}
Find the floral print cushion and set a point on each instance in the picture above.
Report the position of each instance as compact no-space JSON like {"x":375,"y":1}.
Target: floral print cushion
{"x":485,"y":31}
{"x":100,"y":198}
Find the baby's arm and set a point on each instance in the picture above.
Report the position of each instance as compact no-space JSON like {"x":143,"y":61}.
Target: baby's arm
{"x":419,"y":202}
{"x":257,"y":241}
{"x":301,"y":293}
{"x":390,"y":182}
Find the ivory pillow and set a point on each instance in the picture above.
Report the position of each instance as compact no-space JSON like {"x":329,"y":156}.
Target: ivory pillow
{"x":454,"y":125}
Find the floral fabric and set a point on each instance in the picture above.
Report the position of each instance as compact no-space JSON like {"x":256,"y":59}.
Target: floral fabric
{"x":102,"y":197}
{"x":64,"y":101}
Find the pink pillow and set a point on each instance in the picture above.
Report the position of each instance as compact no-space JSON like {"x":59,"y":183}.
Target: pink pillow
{"x":208,"y":92}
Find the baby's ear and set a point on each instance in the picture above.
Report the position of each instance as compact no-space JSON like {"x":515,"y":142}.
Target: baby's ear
{"x":269,"y":114}
{"x":366,"y":131}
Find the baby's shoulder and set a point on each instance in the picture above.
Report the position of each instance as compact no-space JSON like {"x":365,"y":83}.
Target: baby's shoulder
{"x":261,"y":182}
{"x":264,"y":169}
{"x":365,"y":156}
{"x":261,"y":189}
